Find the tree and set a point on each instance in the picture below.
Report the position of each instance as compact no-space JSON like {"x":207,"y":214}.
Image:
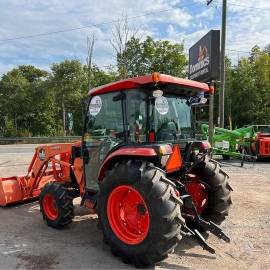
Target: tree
{"x":145,"y":57}
{"x":18,"y":106}
{"x":121,"y":34}
{"x":32,"y":74}
{"x":251,"y":89}
{"x":267,"y":50}
{"x":34,"y":101}
{"x":69,"y":81}
{"x":100,"y":77}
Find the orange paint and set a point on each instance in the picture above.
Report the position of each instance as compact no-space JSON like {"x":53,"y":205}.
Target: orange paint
{"x":50,"y":163}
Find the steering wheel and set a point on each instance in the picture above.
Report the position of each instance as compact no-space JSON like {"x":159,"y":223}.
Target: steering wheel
{"x":167,"y":131}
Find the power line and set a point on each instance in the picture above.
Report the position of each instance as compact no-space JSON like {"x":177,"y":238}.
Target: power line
{"x":116,"y":20}
{"x":244,"y":6}
{"x":88,"y":26}
{"x":250,"y":7}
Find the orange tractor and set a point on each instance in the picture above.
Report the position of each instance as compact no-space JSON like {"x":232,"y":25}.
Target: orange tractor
{"x":138,"y":167}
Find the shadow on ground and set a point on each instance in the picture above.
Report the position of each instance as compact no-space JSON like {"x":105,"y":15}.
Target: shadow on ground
{"x":79,"y":246}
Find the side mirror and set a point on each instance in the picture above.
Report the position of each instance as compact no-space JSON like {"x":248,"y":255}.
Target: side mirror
{"x":203,"y":100}
{"x":194,"y":101}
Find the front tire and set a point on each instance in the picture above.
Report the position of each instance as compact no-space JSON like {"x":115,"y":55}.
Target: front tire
{"x":135,"y":192}
{"x":56,"y":205}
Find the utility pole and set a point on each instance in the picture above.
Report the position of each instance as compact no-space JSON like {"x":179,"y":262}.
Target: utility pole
{"x":212,"y":86}
{"x":222,"y":62}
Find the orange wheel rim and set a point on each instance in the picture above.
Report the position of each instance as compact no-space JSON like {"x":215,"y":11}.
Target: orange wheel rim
{"x":128,"y":215}
{"x":50,"y":207}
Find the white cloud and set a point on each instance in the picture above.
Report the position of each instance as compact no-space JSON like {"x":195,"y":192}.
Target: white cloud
{"x":248,"y":25}
{"x":183,"y":20}
{"x":30,"y":17}
{"x":190,"y":39}
{"x":5,"y":67}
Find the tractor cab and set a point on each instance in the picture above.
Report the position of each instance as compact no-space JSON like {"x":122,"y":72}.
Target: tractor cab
{"x":138,"y":113}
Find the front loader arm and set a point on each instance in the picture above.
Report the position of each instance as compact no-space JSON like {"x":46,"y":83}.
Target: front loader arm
{"x":50,"y":163}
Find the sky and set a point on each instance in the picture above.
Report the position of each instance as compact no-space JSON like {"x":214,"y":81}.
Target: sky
{"x":41,"y":33}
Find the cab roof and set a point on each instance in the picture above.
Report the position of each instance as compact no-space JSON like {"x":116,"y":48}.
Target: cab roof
{"x":155,"y":78}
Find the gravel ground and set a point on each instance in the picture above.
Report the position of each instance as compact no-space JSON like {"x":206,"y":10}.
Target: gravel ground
{"x":27,"y":243}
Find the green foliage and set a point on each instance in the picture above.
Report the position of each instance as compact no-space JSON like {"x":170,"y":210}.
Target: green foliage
{"x":68,"y":82}
{"x":250,"y":89}
{"x":100,"y":77}
{"x":32,"y":100}
{"x":18,"y":103}
{"x":148,"y":56}
{"x":32,"y":73}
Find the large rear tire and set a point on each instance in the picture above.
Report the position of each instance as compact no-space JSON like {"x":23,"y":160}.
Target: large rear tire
{"x":137,"y":191}
{"x":56,"y":205}
{"x":219,"y":191}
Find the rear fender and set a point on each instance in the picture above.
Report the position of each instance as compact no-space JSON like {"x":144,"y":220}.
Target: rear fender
{"x":126,"y":153}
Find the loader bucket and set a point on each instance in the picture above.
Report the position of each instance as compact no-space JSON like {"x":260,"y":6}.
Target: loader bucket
{"x":10,"y":190}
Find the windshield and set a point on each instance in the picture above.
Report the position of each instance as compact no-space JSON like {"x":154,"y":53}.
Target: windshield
{"x":164,"y":118}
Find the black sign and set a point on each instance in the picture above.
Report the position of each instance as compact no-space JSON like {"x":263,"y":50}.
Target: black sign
{"x":204,"y":58}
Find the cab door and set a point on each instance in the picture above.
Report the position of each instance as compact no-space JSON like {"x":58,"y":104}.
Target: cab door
{"x":103,"y":132}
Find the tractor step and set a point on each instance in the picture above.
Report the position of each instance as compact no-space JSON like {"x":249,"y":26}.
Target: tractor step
{"x":89,"y":200}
